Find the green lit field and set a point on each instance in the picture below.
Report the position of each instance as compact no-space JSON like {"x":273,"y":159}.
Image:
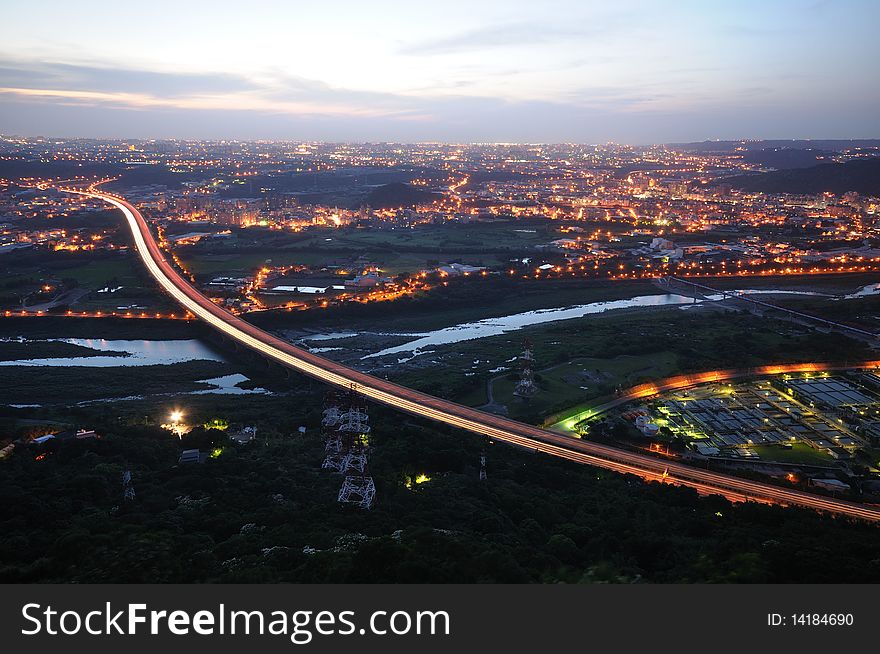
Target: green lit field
{"x":582,"y":379}
{"x":391,"y":262}
{"x":397,"y":251}
{"x":91,"y":270}
{"x":489,"y":235}
{"x":246,"y":263}
{"x":124,"y":270}
{"x":81,"y":271}
{"x":799,"y":453}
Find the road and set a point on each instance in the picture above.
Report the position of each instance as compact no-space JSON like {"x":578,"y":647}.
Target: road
{"x":70,"y":297}
{"x":449,"y":413}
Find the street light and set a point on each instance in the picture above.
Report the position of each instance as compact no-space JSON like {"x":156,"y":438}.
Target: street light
{"x":175,"y":425}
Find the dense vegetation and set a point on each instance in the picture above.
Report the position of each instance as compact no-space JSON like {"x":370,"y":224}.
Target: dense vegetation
{"x":11,"y":350}
{"x":397,"y":194}
{"x":42,"y":384}
{"x":267,"y":513}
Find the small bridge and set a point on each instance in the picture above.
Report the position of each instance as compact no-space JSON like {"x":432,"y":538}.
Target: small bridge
{"x":702,"y":290}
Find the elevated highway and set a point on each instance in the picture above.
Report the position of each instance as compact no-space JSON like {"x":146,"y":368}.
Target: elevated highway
{"x":449,"y":413}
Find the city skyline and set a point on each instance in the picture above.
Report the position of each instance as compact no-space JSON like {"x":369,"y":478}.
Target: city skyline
{"x":569,"y":72}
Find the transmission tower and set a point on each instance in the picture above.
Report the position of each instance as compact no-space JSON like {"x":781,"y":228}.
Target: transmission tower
{"x":358,"y":490}
{"x":354,"y":421}
{"x":127,"y":487}
{"x":482,"y":466}
{"x":331,"y":416}
{"x":333,"y":400}
{"x":334,"y":453}
{"x":358,"y":487}
{"x":526,"y":386}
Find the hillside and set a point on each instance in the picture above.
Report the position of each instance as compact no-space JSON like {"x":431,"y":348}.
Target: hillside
{"x":787,"y":158}
{"x":389,"y":196}
{"x":834,"y":145}
{"x":860,"y":176}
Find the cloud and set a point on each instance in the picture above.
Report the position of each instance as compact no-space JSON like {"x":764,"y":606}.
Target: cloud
{"x":86,"y":84}
{"x":273,"y":92}
{"x":682,"y":102}
{"x":497,"y":36}
{"x":76,"y":76}
{"x":276,"y":95}
{"x":453,"y":119}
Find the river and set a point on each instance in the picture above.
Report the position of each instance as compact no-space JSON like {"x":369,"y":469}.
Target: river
{"x":419,"y":342}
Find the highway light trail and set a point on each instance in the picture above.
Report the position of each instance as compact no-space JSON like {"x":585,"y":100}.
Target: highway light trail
{"x":450,"y":413}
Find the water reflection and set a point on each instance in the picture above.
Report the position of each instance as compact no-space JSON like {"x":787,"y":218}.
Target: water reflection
{"x":496,"y":326}
{"x":864,"y":291}
{"x":227,"y":385}
{"x":137,"y":353}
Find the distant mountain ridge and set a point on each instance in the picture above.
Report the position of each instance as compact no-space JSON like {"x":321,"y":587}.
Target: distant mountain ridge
{"x":861,"y":176}
{"x":834,"y":145}
{"x":783,"y":158}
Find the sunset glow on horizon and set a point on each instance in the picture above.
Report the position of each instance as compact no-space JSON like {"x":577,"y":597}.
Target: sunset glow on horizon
{"x":638,"y":72}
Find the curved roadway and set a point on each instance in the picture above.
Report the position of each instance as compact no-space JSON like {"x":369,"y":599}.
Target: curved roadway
{"x":450,"y":413}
